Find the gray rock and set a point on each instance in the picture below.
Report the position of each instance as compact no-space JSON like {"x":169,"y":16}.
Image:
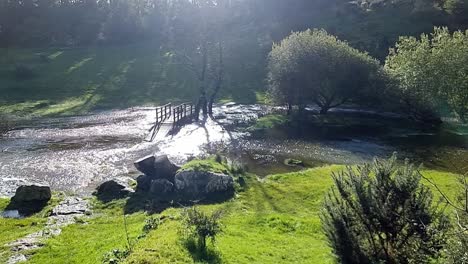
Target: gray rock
{"x":162,"y":190}
{"x":117,"y":188}
{"x":17,"y":259}
{"x":30,"y":199}
{"x":159,"y":167}
{"x":71,"y":206}
{"x":143,"y":183}
{"x":32,"y":193}
{"x":146,"y":165}
{"x":195,"y":185}
{"x":164,"y":168}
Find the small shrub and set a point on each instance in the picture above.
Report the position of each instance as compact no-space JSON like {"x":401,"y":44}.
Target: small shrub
{"x":219,"y":158}
{"x":237,"y":168}
{"x":201,"y":226}
{"x":115,"y":256}
{"x":381,"y":213}
{"x":151,"y":223}
{"x":23,"y":72}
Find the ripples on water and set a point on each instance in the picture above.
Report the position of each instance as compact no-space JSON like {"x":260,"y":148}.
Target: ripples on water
{"x":77,"y":153}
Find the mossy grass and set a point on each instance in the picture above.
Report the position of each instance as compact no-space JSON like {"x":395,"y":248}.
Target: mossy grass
{"x":215,"y":164}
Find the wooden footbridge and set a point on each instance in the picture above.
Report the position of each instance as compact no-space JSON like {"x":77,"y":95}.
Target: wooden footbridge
{"x":171,"y":117}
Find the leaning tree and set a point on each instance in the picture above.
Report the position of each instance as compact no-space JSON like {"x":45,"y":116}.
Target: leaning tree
{"x":315,"y":67}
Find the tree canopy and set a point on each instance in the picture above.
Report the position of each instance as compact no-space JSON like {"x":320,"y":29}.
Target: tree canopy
{"x":433,"y":71}
{"x":315,"y":67}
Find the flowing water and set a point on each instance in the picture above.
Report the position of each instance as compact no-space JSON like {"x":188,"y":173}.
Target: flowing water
{"x":75,"y":154}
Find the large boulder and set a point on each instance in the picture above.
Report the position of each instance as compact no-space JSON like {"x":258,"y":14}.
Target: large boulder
{"x":31,"y":193}
{"x":143,"y":183}
{"x":201,"y":185}
{"x":30,"y":199}
{"x":164,"y":168}
{"x":117,"y":188}
{"x":146,"y":165}
{"x":159,"y":167}
{"x":162,"y":190}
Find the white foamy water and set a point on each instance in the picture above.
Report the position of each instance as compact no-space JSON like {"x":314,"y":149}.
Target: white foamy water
{"x":77,"y":153}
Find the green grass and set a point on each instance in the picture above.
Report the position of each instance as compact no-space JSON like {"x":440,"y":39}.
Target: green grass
{"x":78,"y":80}
{"x":210,"y":165}
{"x":87,"y":242}
{"x":269,"y":122}
{"x":275,"y":220}
{"x":13,"y":229}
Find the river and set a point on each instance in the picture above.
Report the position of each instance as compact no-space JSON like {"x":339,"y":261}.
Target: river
{"x":74,"y":154}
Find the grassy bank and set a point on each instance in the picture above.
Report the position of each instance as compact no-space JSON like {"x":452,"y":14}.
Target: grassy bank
{"x":275,"y":220}
{"x":65,"y":81}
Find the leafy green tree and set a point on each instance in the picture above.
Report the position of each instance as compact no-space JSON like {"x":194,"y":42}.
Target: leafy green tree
{"x":315,"y":67}
{"x":381,"y":213}
{"x":432,"y":72}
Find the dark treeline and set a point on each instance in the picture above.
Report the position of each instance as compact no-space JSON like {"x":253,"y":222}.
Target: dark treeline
{"x":371,"y":25}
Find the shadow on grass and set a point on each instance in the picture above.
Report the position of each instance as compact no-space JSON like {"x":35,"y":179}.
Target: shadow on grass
{"x":202,"y":255}
{"x":141,"y":201}
{"x":26,"y":209}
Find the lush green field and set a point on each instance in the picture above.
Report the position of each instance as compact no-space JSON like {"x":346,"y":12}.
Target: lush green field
{"x":63,"y":81}
{"x":275,"y":220}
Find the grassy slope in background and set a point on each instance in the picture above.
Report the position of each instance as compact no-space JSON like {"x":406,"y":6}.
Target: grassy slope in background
{"x":75,"y":81}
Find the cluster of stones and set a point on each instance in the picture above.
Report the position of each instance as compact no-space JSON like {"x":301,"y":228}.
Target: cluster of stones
{"x":164,"y":181}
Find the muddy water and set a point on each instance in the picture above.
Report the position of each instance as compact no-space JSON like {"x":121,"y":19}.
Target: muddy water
{"x":76,"y":153}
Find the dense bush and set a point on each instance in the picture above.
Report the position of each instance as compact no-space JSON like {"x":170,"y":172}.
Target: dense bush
{"x":381,"y":213}
{"x":432,"y":72}
{"x":315,"y":67}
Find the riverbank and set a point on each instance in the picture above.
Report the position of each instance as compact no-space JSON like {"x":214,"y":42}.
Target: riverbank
{"x":274,"y":220}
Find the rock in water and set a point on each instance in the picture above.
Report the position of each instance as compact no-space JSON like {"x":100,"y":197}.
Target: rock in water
{"x":30,"y":199}
{"x":200,"y":185}
{"x":117,"y":188}
{"x":146,"y":165}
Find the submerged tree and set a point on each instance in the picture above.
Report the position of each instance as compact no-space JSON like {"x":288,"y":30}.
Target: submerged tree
{"x":432,"y":72}
{"x":315,"y":67}
{"x":381,"y":213}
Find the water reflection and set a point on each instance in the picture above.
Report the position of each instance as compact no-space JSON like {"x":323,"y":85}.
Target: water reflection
{"x":76,"y":153}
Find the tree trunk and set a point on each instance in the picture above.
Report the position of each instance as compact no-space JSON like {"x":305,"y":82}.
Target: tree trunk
{"x":201,"y":104}
{"x":289,"y":108}
{"x":219,"y":80}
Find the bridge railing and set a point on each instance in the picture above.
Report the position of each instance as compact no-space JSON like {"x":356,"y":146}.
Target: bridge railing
{"x":182,"y":113}
{"x":163,"y":113}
